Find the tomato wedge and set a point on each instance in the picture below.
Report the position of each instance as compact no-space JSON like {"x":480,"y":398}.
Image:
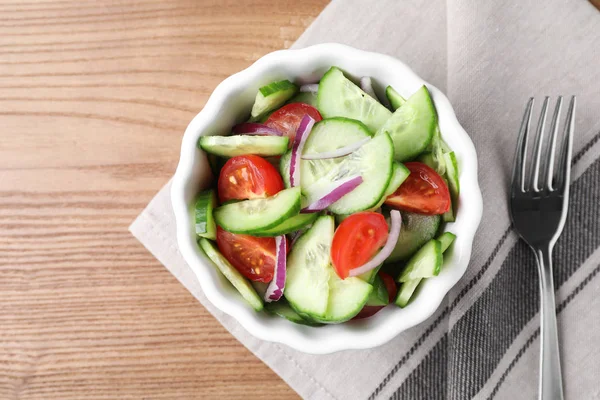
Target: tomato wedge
{"x":423,"y":192}
{"x":248,"y":177}
{"x":287,"y":118}
{"x":358,"y":238}
{"x":390,"y":285}
{"x":254,"y":257}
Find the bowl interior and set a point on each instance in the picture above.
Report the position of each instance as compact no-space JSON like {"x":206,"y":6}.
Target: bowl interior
{"x":230,"y":104}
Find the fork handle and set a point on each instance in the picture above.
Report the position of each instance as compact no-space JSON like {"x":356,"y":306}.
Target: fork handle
{"x":551,"y":387}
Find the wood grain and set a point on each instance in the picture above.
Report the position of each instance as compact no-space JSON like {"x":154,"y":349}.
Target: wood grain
{"x":94,"y":98}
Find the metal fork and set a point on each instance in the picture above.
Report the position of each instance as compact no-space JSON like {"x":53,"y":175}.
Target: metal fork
{"x":538,"y":208}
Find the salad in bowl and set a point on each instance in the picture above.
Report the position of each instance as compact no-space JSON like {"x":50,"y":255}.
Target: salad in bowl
{"x":326,"y":198}
{"x":331,"y":198}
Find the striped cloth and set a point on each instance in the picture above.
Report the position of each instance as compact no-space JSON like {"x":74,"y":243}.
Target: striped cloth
{"x":483,"y":342}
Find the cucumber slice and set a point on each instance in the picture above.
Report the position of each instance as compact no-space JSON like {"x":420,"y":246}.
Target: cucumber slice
{"x":284,"y":169}
{"x":283,"y":309}
{"x":406,"y":291}
{"x":308,"y":269}
{"x":449,"y":215}
{"x":411,"y":127}
{"x":394,"y":98}
{"x":272,"y":96}
{"x":434,"y":156}
{"x":373,"y":162}
{"x":369,"y":276}
{"x":425,"y":263}
{"x":452,"y":173}
{"x":451,"y":178}
{"x":232,"y":274}
{"x":408,"y":288}
{"x":416,"y":230}
{"x":427,"y":158}
{"x":446,"y":240}
{"x":290,"y":225}
{"x":327,"y":135}
{"x":237,"y":145}
{"x":309,"y":98}
{"x":399,"y":175}
{"x":346,"y":298}
{"x":205,"y":224}
{"x":258,"y":215}
{"x":340,"y":97}
{"x":379,"y":296}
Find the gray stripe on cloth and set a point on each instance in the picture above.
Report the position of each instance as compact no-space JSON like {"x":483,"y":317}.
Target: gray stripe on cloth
{"x":480,"y":338}
{"x":534,"y":336}
{"x":434,"y":367}
{"x":576,"y":158}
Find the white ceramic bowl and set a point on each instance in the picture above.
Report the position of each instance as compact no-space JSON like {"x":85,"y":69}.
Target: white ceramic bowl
{"x":229,"y":104}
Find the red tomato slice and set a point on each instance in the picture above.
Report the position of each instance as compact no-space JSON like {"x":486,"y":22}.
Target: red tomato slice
{"x":287,"y":118}
{"x":358,"y":238}
{"x":254,"y":257}
{"x":390,"y":285}
{"x":248,"y":177}
{"x":423,"y":192}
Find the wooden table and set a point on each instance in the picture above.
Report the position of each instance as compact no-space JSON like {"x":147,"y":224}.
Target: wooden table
{"x":94,"y":99}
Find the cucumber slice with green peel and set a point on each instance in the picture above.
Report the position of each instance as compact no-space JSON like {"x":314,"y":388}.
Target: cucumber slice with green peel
{"x":446,"y":240}
{"x":326,"y":135}
{"x":340,"y":97}
{"x":233,"y":275}
{"x":205,"y":223}
{"x":451,"y":166}
{"x":272,"y":96}
{"x":449,"y":215}
{"x":394,"y":98}
{"x":346,"y":298}
{"x":452,"y":173}
{"x":309,"y":98}
{"x":258,"y":215}
{"x":425,"y":263}
{"x":379,"y":296}
{"x":452,"y":176}
{"x":283,"y":309}
{"x":370,"y":276}
{"x":290,"y":225}
{"x":416,"y":230}
{"x":399,"y":175}
{"x":373,"y":162}
{"x":412,"y":126}
{"x":309,"y":270}
{"x":237,"y":145}
{"x":406,"y":291}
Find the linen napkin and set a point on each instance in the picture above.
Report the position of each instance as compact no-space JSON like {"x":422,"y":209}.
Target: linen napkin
{"x":483,"y":342}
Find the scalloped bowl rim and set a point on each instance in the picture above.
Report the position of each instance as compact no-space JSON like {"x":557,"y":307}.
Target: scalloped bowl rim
{"x":391,"y":321}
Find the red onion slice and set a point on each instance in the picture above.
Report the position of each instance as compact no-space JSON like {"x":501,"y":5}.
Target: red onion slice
{"x":385,"y":252}
{"x":310,"y":87}
{"x":341,"y":189}
{"x":275,"y":288}
{"x":342,"y":151}
{"x":302,"y":133}
{"x":367,"y":86}
{"x":254,"y":128}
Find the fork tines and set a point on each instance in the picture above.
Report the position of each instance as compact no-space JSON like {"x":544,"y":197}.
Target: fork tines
{"x":543,"y":176}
